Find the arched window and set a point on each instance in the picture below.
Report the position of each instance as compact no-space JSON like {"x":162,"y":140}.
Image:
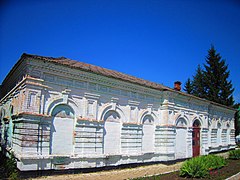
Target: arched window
{"x":181,"y":122}
{"x":219,"y":131}
{"x":148,"y":134}
{"x":228,"y":133}
{"x":181,"y":138}
{"x":63,"y":111}
{"x":61,"y":141}
{"x":148,"y":119}
{"x":196,"y":123}
{"x":112,"y":133}
{"x":112,"y":116}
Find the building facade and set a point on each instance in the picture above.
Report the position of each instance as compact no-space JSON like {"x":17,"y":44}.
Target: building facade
{"x":57,"y":113}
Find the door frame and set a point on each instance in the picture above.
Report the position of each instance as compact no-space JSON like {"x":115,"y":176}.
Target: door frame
{"x":196,"y":138}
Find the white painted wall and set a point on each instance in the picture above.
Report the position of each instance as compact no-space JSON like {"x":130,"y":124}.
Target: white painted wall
{"x":111,"y":117}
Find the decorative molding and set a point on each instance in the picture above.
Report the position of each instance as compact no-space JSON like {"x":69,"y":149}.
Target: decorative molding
{"x":22,"y":114}
{"x":114,"y":102}
{"x":91,"y":96}
{"x":149,"y":108}
{"x":133,"y":103}
{"x":65,"y":95}
{"x":107,"y":85}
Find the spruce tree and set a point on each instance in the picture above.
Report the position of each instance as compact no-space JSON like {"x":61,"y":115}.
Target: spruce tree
{"x":188,"y":86}
{"x":212,"y":83}
{"x":237,"y":119}
{"x":198,"y":83}
{"x":217,"y":86}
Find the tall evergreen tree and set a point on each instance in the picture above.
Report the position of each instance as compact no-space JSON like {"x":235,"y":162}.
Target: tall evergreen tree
{"x":212,"y":83}
{"x":217,"y":86}
{"x":237,"y":119}
{"x":198,"y":83}
{"x":188,"y":86}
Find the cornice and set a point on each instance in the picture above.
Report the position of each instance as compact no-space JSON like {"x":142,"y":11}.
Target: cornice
{"x":23,"y":114}
{"x":82,"y":119}
{"x":121,"y":88}
{"x":77,"y":74}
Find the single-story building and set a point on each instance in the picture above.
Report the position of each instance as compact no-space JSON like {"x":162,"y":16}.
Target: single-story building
{"x":58,"y":113}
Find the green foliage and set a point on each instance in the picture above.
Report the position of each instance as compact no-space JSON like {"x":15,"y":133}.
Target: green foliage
{"x":188,"y":87}
{"x":215,"y":162}
{"x":212,"y":82}
{"x":8,"y":167}
{"x":200,"y":167}
{"x":234,"y":154}
{"x":194,"y":168}
{"x":198,"y":83}
{"x":216,"y":75}
{"x":237,"y":119}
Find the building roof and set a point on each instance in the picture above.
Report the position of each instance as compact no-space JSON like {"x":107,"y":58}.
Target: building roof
{"x":97,"y":70}
{"x":105,"y":72}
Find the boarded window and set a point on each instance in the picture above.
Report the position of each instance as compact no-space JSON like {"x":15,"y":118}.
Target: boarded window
{"x":112,"y":132}
{"x":148,"y":134}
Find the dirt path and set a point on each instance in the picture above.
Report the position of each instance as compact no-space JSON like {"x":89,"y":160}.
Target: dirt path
{"x":117,"y":174}
{"x":120,"y":174}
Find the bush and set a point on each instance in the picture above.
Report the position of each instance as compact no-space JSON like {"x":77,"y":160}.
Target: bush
{"x":11,"y":168}
{"x":194,"y":168}
{"x":214,"y":162}
{"x":234,"y":154}
{"x":200,"y":167}
{"x":8,"y":167}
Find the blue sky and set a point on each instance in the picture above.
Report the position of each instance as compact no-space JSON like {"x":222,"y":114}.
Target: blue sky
{"x":157,"y":40}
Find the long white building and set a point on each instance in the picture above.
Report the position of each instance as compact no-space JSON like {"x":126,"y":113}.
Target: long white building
{"x":58,"y":113}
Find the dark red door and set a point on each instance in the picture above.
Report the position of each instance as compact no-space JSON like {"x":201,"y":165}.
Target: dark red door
{"x":196,"y":141}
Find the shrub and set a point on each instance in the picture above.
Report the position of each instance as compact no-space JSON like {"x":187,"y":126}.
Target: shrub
{"x":194,"y":168}
{"x":214,"y":162}
{"x":234,"y":154}
{"x":200,"y":167}
{"x":11,"y":168}
{"x":8,"y":167}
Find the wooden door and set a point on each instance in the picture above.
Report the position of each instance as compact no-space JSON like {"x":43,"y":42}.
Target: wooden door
{"x":196,"y":141}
